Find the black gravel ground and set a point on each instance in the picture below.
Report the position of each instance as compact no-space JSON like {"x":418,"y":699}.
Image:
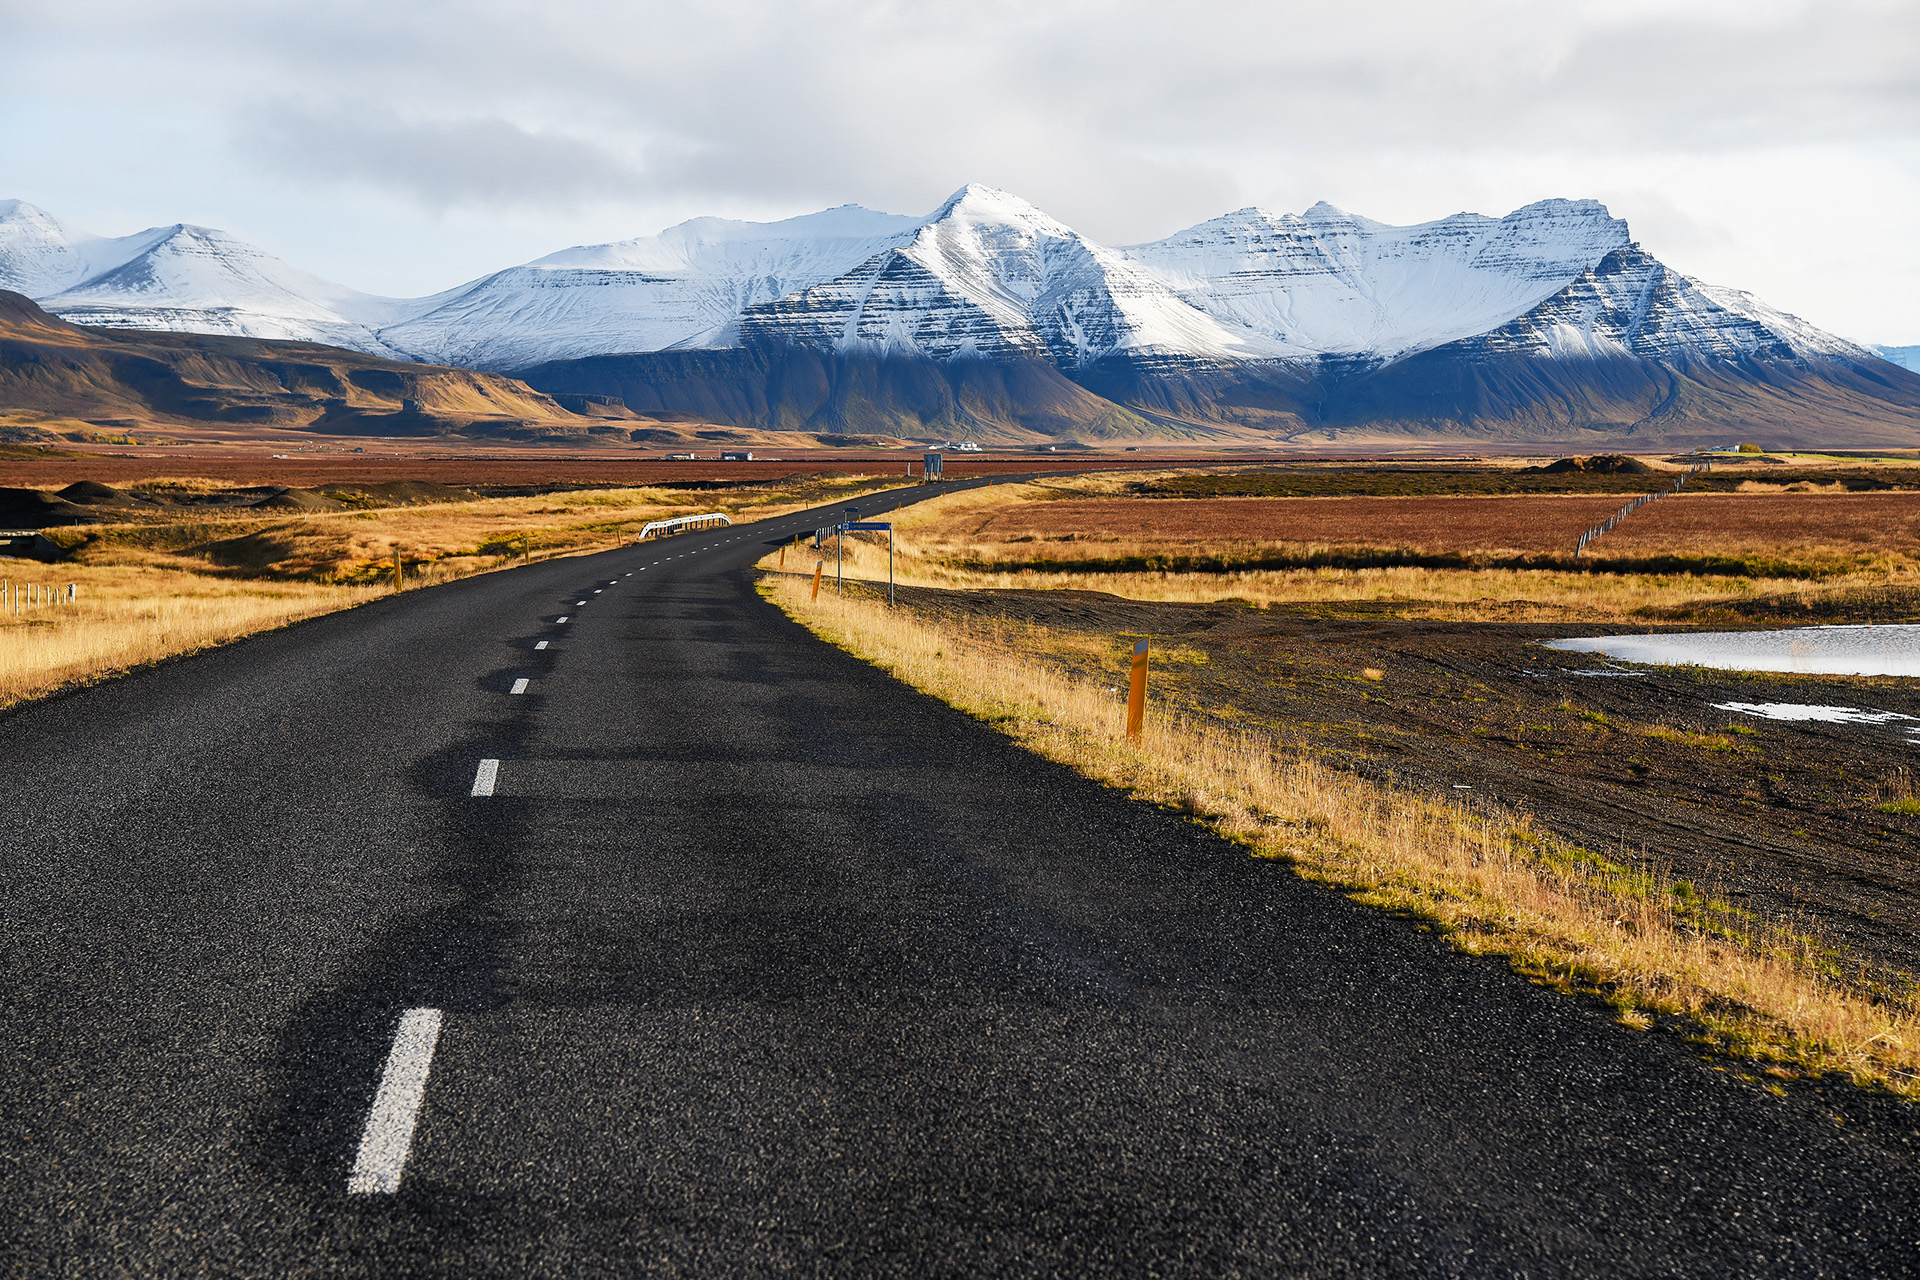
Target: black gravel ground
{"x":757,"y":962}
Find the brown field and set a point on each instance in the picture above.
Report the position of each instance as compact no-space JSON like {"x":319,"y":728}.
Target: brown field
{"x":486,"y":469}
{"x":1737,"y":524}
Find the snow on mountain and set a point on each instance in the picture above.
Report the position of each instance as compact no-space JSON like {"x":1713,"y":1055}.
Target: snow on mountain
{"x":1327,"y":282}
{"x":988,"y":275}
{"x":40,"y":254}
{"x":200,"y":280}
{"x":641,"y":294}
{"x":1631,"y":304}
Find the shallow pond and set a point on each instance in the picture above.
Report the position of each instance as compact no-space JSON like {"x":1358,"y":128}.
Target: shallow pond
{"x":1876,"y":650}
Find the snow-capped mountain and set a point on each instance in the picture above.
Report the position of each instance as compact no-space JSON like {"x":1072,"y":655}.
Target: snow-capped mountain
{"x":182,"y":278}
{"x":1630,"y":304}
{"x":40,"y":255}
{"x":987,"y":275}
{"x":990,"y":312}
{"x":640,"y":295}
{"x":1327,"y":282}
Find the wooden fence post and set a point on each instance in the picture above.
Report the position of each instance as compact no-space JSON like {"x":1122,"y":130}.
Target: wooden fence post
{"x":1137,"y":693}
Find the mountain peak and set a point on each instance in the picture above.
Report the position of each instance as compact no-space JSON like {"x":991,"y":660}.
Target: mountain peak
{"x":1325,"y":211}
{"x":977,"y":202}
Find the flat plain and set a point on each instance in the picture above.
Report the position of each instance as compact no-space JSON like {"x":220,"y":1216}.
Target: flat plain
{"x":1780,"y":525}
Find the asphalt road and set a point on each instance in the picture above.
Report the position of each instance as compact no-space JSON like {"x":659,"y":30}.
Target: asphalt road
{"x":756,"y":962}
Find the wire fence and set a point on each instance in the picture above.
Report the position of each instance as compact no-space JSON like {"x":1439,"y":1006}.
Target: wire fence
{"x":1613,"y":521}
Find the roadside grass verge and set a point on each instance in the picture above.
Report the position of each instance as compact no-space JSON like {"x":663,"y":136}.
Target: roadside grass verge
{"x":128,"y":616}
{"x":1486,"y":878}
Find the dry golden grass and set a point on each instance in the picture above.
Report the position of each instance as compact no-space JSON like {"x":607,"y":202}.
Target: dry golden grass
{"x":127,"y":616}
{"x":1488,"y":878}
{"x":437,"y":540}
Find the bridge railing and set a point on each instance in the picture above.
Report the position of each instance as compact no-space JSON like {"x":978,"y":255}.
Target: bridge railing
{"x":657,"y":528}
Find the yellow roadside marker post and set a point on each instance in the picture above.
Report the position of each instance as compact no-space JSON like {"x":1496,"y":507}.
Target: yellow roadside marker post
{"x":397,"y":584}
{"x":1137,"y":693}
{"x":818,"y":569}
{"x":783,"y":555}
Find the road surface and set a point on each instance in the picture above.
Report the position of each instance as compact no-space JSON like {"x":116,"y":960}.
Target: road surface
{"x":749,"y":960}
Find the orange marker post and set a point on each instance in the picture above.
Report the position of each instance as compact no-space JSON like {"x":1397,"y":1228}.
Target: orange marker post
{"x":783,"y":555}
{"x":1137,"y":693}
{"x":818,"y":569}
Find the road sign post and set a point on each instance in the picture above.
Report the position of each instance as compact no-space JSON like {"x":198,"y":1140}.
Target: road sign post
{"x":840,"y":552}
{"x":1137,"y":693}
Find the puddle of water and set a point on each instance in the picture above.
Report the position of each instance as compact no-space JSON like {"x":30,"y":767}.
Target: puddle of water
{"x":1870,"y":650}
{"x":1804,"y":711}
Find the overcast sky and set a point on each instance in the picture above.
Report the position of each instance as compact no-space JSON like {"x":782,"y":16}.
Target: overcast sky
{"x":402,"y":146}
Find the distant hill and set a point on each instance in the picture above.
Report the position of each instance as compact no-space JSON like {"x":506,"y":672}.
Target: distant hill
{"x":59,"y":369}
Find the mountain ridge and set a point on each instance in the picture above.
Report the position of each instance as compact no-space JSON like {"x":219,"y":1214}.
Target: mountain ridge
{"x":990,"y":316}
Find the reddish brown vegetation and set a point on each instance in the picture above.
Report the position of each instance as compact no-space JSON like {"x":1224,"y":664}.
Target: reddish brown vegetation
{"x":531,"y":468}
{"x":1719,"y":524}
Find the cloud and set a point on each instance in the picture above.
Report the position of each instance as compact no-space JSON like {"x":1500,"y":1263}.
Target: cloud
{"x":477,"y":161}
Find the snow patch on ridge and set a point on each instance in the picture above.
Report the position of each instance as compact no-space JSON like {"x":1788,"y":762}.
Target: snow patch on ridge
{"x":1328,"y":282}
{"x":1631,"y":304}
{"x":988,"y":275}
{"x":690,"y":281}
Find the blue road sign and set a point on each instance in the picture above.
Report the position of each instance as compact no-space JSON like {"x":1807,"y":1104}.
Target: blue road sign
{"x":866,"y":524}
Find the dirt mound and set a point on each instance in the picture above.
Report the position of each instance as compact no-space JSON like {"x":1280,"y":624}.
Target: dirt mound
{"x":1616,"y":464}
{"x":1605,"y":464}
{"x":91,"y":493}
{"x":33,"y":509}
{"x":298,"y":500}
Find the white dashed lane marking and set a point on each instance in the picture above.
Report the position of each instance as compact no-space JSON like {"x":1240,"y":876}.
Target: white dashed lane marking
{"x":541,"y":645}
{"x":562,"y":618}
{"x":519,"y":686}
{"x":396,"y":1105}
{"x":485,"y":777}
{"x":578,"y":603}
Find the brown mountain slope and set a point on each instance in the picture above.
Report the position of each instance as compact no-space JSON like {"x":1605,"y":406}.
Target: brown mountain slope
{"x":125,"y":377}
{"x":1455,"y":396}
